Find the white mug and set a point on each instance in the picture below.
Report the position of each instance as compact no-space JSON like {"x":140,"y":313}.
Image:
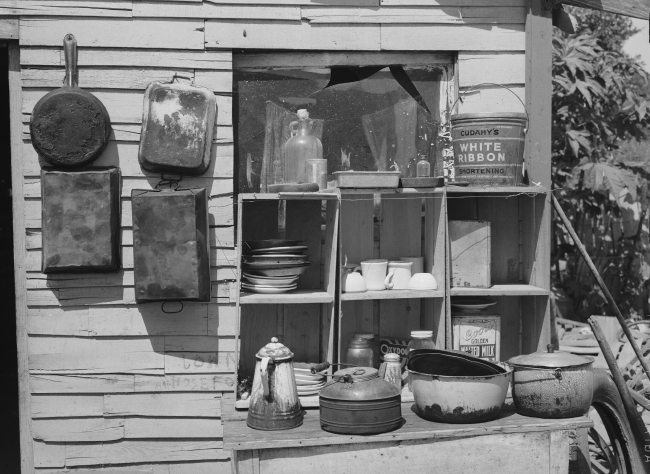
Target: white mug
{"x":374,"y":272}
{"x":399,"y":275}
{"x":418,"y":264}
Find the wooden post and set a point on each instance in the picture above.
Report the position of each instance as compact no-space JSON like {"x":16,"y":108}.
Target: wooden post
{"x":16,"y":122}
{"x":536,"y":311}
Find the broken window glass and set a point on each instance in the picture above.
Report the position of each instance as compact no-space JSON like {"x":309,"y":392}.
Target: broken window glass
{"x":367,"y":119}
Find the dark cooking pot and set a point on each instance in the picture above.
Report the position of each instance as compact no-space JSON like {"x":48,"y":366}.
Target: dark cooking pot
{"x":358,"y":401}
{"x":455,"y":387}
{"x":552,"y":384}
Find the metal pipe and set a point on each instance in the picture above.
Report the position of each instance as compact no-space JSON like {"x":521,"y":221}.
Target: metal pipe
{"x":603,"y":287}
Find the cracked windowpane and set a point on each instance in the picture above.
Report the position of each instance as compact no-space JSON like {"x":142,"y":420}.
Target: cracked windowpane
{"x":380,"y":119}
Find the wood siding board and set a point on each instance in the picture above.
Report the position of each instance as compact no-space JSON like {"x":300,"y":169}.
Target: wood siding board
{"x":207,"y":10}
{"x":90,"y":355}
{"x":109,"y":383}
{"x":286,"y":34}
{"x":222,"y":320}
{"x":27,"y":450}
{"x":177,"y":34}
{"x":124,"y":105}
{"x":199,"y":362}
{"x":175,"y":428}
{"x":143,"y":320}
{"x":185,"y":383}
{"x":140,"y":451}
{"x":24,"y":8}
{"x":109,"y":78}
{"x":47,"y":455}
{"x":429,"y":3}
{"x":476,"y":68}
{"x":58,"y":321}
{"x":53,"y":56}
{"x":78,"y":429}
{"x":67,"y":406}
{"x":199,"y":344}
{"x":9,"y":28}
{"x":206,"y":405}
{"x":330,"y":15}
{"x":318,"y":60}
{"x":333,"y":3}
{"x":475,"y":37}
{"x":492,"y":99}
{"x":633,"y":8}
{"x":125,"y":156}
{"x":139,"y":469}
{"x":216,"y":467}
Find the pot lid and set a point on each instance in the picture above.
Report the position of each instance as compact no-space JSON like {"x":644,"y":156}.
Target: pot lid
{"x":275,"y":350}
{"x":358,"y":374}
{"x":550,"y":358}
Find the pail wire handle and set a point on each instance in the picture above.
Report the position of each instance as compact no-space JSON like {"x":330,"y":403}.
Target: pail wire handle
{"x":460,"y":97}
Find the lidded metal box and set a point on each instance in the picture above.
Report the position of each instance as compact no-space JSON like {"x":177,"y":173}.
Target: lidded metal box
{"x":81,"y":220}
{"x":171,"y":249}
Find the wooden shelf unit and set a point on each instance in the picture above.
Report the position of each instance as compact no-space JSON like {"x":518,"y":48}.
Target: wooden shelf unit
{"x":302,"y":319}
{"x":520,"y":270}
{"x":389,"y":224}
{"x":392,"y":295}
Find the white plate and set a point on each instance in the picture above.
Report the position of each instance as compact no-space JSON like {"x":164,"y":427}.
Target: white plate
{"x":250,"y":285}
{"x":473,"y":303}
{"x":297,"y":249}
{"x":303,"y":384}
{"x":269,"y":290}
{"x":309,"y":393}
{"x":271,"y":281}
{"x":307,"y":378}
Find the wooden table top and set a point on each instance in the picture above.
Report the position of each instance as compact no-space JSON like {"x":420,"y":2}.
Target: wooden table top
{"x":238,"y":436}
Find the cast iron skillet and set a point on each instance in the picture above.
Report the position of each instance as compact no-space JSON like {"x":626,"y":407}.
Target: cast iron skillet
{"x":69,"y":126}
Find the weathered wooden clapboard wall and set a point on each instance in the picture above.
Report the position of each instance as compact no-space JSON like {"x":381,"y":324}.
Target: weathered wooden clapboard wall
{"x":117,"y":387}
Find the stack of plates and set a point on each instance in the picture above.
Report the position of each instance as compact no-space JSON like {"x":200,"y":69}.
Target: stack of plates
{"x":308,"y":384}
{"x":273,"y":266}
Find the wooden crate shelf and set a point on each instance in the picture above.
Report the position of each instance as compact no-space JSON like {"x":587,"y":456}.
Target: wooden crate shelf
{"x":496,"y":189}
{"x":421,"y":191}
{"x":500,"y":290}
{"x":392,"y":295}
{"x":295,"y":297}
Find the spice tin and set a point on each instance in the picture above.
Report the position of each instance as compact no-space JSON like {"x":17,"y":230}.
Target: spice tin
{"x":170,"y":245}
{"x":81,"y":220}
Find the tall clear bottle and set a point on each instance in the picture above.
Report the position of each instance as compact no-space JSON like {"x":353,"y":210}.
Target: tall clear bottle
{"x":302,"y":146}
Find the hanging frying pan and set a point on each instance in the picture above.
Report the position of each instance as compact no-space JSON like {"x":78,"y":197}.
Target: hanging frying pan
{"x":69,"y":126}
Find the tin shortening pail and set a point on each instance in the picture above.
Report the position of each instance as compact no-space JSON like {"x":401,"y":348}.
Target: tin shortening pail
{"x":489,"y":148}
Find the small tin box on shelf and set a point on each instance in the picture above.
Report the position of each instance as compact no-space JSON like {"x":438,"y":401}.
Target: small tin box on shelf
{"x":286,"y":262}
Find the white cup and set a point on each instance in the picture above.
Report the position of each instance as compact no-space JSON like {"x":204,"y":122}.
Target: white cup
{"x":418,"y":264}
{"x":399,"y":275}
{"x":374,"y":272}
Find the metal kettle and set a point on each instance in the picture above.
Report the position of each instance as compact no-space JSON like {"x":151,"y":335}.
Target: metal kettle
{"x":274,"y":403}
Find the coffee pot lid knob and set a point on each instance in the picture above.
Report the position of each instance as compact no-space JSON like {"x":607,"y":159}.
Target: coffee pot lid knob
{"x":275,"y":350}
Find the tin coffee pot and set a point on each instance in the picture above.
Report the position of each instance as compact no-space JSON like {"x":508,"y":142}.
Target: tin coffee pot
{"x":274,"y":403}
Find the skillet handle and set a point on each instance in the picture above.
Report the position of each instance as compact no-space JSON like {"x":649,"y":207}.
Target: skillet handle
{"x":70,"y":55}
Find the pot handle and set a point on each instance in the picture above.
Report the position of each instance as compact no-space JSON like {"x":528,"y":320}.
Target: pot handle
{"x":264,"y":369}
{"x":387,"y":283}
{"x":70,"y":55}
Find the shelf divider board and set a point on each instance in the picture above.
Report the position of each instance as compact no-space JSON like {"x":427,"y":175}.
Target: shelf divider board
{"x":433,"y":310}
{"x":400,"y":234}
{"x":392,"y":295}
{"x":508,"y":289}
{"x":293,"y":297}
{"x":328,"y":335}
{"x":357,"y":244}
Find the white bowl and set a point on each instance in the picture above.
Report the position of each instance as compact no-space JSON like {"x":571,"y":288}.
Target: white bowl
{"x":423,"y":281}
{"x":271,"y":281}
